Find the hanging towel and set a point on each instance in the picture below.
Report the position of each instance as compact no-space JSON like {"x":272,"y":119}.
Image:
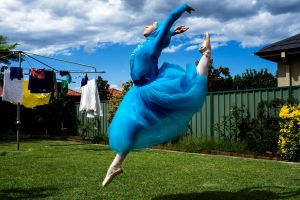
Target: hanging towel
{"x":31,"y":100}
{"x":16,"y":73}
{"x":90,"y":100}
{"x":37,"y":84}
{"x":12,"y":89}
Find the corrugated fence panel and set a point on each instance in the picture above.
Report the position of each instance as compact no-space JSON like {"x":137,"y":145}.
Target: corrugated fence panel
{"x":91,"y":127}
{"x":216,"y":106}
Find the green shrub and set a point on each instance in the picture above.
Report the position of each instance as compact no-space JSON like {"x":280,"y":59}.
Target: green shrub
{"x":199,"y":144}
{"x":262,"y":136}
{"x":235,"y":126}
{"x":259,"y":134}
{"x":102,"y":138}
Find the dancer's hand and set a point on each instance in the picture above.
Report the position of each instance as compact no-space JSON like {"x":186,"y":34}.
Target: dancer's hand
{"x":190,"y":9}
{"x":181,"y":29}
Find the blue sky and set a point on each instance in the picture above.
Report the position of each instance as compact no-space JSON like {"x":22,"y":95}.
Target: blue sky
{"x":103,"y":33}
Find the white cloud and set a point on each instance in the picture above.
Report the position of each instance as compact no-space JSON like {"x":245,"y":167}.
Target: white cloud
{"x":173,"y":48}
{"x":58,"y":26}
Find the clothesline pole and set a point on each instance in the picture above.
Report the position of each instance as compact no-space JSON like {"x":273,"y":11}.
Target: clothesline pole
{"x":18,"y":121}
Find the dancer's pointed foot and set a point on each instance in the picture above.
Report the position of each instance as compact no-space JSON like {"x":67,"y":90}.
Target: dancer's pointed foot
{"x":205,"y":49}
{"x":110,"y":175}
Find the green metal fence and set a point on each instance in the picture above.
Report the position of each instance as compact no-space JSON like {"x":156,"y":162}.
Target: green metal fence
{"x":216,"y":106}
{"x":91,"y":127}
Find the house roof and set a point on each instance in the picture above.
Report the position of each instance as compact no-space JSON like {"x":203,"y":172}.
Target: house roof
{"x":114,"y":91}
{"x":291,"y":44}
{"x":73,"y":93}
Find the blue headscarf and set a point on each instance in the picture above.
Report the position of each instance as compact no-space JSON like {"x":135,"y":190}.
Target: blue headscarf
{"x":155,"y":33}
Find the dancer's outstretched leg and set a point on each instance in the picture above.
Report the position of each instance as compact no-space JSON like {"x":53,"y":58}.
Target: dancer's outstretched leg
{"x":202,"y":66}
{"x":114,"y":169}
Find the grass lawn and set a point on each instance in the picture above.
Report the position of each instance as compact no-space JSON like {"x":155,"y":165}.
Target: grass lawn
{"x":68,"y":170}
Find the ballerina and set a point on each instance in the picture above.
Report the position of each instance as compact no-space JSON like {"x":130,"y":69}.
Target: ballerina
{"x":162,"y":101}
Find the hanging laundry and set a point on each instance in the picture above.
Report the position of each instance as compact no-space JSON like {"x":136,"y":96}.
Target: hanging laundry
{"x":59,"y":87}
{"x":38,"y":84}
{"x":64,"y":88}
{"x":56,"y":91}
{"x":16,"y":73}
{"x":3,"y":68}
{"x":90,"y":100}
{"x":69,"y":78}
{"x":67,"y":74}
{"x":37,"y":73}
{"x":12,"y":89}
{"x":31,"y":100}
{"x":63,"y":73}
{"x":84,"y":80}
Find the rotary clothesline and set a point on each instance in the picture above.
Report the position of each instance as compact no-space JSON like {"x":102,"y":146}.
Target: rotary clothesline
{"x":31,"y":55}
{"x":26,"y":54}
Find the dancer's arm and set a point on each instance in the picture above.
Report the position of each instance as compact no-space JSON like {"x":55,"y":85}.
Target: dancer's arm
{"x":169,"y":21}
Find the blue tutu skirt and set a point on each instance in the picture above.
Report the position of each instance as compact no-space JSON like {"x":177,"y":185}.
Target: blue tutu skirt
{"x":159,"y":111}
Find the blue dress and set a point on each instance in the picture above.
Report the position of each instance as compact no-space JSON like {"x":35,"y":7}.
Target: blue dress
{"x":162,"y":101}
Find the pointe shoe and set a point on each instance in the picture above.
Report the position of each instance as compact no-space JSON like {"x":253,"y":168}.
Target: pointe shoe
{"x":110,"y":175}
{"x":205,"y":49}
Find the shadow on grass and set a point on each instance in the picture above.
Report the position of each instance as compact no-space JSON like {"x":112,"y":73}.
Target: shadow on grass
{"x":99,"y":149}
{"x":245,"y":194}
{"x":65,"y":145}
{"x":27,"y":193}
{"x":86,"y":147}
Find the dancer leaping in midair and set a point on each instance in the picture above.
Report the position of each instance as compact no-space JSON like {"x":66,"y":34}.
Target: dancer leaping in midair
{"x":162,"y":101}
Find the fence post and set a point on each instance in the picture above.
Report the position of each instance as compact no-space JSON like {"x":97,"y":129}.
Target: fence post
{"x":290,"y":92}
{"x":212,"y":117}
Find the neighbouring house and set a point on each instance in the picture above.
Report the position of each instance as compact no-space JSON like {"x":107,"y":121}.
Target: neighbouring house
{"x":286,"y":53}
{"x":73,"y":95}
{"x":114,"y":91}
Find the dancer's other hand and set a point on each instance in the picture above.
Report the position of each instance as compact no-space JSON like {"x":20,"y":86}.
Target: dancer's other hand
{"x":181,"y":29}
{"x":190,"y":9}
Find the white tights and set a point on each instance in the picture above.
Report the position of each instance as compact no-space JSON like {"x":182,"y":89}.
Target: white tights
{"x":202,"y":67}
{"x":117,"y":162}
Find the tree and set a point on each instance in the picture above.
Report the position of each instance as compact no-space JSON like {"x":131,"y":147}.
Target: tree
{"x":219,"y":79}
{"x":103,"y":89}
{"x":253,"y":79}
{"x":117,"y":98}
{"x":126,"y":87}
{"x":5,"y":47}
